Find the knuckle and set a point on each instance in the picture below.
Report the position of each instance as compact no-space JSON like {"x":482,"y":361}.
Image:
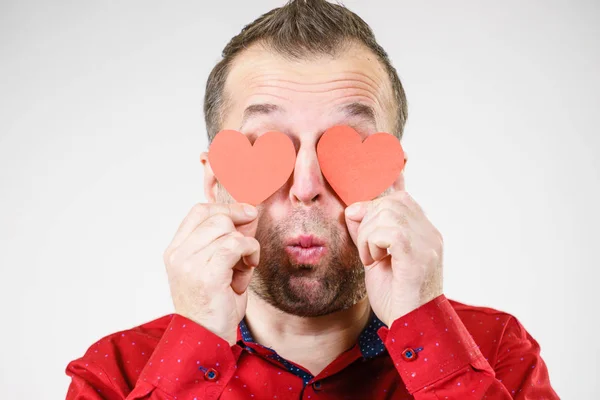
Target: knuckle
{"x":169,"y":257}
{"x":405,"y":195}
{"x":387,"y":203}
{"x":231,"y":243}
{"x":213,"y":220}
{"x":387,"y":215}
{"x":199,"y":209}
{"x":251,"y":244}
{"x":220,"y":220}
{"x":221,"y":254}
{"x":373,"y":207}
{"x":398,"y":235}
{"x":199,"y":206}
{"x":254,"y":242}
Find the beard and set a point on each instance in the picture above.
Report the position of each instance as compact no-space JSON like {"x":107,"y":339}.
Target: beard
{"x":336,"y":283}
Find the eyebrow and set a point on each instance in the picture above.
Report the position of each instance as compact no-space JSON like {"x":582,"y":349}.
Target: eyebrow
{"x":361,"y":110}
{"x":258,"y":109}
{"x":355,"y":109}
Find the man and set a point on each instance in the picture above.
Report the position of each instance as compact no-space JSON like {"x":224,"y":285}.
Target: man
{"x":301,"y":297}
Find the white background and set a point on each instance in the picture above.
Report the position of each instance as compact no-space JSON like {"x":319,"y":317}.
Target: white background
{"x":101,"y":128}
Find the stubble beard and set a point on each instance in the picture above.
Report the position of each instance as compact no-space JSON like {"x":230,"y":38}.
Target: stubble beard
{"x":335,"y":284}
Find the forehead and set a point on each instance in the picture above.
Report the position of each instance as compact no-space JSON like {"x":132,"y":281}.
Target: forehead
{"x":317,"y":90}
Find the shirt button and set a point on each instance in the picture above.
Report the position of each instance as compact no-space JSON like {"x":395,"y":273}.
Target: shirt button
{"x":409,"y":354}
{"x":211,"y":375}
{"x":317,"y":385}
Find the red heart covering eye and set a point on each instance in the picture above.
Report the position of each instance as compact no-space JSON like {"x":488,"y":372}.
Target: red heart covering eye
{"x":357,"y":170}
{"x":252,"y":173}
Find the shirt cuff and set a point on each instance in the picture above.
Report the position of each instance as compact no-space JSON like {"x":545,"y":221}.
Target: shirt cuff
{"x":190,"y":357}
{"x":430,"y":343}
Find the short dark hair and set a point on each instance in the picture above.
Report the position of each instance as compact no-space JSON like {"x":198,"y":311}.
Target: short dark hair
{"x":297,"y":30}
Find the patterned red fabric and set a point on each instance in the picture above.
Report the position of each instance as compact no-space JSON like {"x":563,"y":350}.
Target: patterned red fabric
{"x":442,"y":350}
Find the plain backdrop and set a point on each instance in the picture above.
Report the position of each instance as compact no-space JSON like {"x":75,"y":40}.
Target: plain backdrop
{"x":101,"y":129}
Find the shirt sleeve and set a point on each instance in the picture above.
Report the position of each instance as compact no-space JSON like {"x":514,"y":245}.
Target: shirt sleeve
{"x":188,"y":358}
{"x":437,"y":358}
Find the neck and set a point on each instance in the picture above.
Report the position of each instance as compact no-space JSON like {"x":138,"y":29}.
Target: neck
{"x":292,"y":336}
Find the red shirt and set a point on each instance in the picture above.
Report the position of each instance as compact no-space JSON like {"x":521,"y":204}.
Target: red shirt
{"x":441,"y":350}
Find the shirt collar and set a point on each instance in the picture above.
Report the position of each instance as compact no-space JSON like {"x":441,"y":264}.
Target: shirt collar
{"x":369,"y":342}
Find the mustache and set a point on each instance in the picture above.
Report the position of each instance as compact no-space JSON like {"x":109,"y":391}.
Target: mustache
{"x":299,"y":219}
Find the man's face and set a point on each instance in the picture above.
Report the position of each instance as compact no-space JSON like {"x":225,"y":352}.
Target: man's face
{"x":302,"y":99}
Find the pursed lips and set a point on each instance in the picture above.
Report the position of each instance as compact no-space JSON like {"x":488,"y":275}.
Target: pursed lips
{"x":306,"y":249}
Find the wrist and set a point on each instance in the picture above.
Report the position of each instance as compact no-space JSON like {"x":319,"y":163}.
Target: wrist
{"x":407,"y":302}
{"x":225,"y":333}
{"x":229,"y":335}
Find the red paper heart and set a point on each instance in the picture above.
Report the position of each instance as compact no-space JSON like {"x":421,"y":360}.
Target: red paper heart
{"x":357,"y":170}
{"x":252,"y":173}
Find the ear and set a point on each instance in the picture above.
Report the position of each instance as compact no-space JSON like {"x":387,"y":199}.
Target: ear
{"x":210,"y":181}
{"x":399,"y":183}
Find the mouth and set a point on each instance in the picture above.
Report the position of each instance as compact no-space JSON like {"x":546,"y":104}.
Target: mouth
{"x":306,"y":249}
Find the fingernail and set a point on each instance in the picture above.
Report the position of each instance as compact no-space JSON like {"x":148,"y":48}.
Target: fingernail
{"x":250,"y":210}
{"x":353,"y":209}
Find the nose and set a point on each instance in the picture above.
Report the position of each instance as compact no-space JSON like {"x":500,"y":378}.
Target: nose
{"x":308,"y":186}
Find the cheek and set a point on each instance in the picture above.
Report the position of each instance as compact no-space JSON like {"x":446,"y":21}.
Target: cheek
{"x":274,"y":212}
{"x":268,"y":227}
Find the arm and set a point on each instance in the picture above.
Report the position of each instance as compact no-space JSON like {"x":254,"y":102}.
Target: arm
{"x":520,"y":370}
{"x":188,"y":359}
{"x":449,"y":364}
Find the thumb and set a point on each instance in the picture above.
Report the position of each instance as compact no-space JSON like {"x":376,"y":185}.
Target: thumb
{"x":354,"y":215}
{"x":242,"y":274}
{"x":249,"y":228}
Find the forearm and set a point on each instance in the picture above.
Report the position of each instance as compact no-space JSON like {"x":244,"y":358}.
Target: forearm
{"x":188,"y":358}
{"x":448,"y":362}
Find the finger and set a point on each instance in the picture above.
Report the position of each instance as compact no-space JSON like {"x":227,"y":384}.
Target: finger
{"x":364,"y":231}
{"x":354,"y":216}
{"x":404,"y":199}
{"x":202,"y":211}
{"x":353,"y":228}
{"x":242,"y":275}
{"x":226,"y":252}
{"x":381,"y":241}
{"x":395,"y":240}
{"x":356,"y":211}
{"x":241,"y":279}
{"x":248,"y":229}
{"x":253,"y":258}
{"x":195,"y":262}
{"x":213,"y":228}
{"x":383,"y":218}
{"x":408,"y":200}
{"x":360,"y":210}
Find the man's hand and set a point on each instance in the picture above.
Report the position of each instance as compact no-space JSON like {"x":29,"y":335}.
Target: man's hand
{"x":411,"y":274}
{"x":210,"y":262}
